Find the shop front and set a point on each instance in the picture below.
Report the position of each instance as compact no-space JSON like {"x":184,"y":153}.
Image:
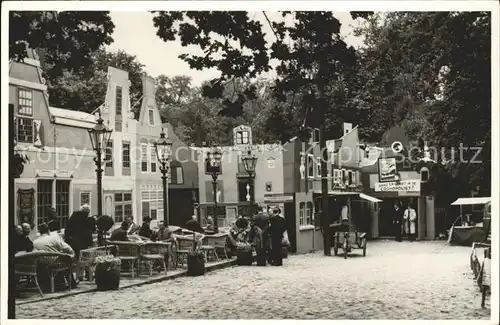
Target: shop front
{"x":406,"y":194}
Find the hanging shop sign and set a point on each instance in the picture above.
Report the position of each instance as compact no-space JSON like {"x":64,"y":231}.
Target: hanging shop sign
{"x":402,"y":186}
{"x":26,"y":206}
{"x":387,"y":171}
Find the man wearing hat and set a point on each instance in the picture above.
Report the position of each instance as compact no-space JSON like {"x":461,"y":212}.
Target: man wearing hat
{"x":145,"y":230}
{"x":261,"y":221}
{"x":276,"y":229}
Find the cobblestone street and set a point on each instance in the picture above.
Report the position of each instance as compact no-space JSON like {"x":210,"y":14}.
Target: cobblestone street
{"x":420,"y":280}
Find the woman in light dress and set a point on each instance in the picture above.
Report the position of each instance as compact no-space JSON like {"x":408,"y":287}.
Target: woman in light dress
{"x":410,"y":222}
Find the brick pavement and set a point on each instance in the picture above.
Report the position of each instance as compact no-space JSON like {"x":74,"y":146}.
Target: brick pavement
{"x":420,"y":280}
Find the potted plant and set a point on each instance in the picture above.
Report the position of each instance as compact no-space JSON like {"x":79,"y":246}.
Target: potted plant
{"x":195,"y":258}
{"x":107,"y":272}
{"x":244,"y":255}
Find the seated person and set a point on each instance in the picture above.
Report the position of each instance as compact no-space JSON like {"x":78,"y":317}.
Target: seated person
{"x":22,"y":242}
{"x":210,"y":225}
{"x":120,"y":234}
{"x":162,"y":233}
{"x":51,"y":242}
{"x":133,"y":227}
{"x":145,"y":230}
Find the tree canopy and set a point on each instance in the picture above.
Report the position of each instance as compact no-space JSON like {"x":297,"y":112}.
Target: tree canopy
{"x":68,"y":38}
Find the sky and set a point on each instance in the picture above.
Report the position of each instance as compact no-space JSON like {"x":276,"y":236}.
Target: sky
{"x":135,"y":33}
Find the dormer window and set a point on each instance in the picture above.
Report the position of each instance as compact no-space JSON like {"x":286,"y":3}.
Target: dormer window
{"x":242,"y":137}
{"x":118,"y":104}
{"x":151,"y":117}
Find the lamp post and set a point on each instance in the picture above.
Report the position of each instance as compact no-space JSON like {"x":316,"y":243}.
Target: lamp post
{"x":213,"y":167}
{"x":163,"y":147}
{"x":249,"y":162}
{"x":99,"y":137}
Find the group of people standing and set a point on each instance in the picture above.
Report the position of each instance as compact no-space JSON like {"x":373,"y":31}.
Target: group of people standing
{"x":266,"y":233}
{"x":404,"y":221}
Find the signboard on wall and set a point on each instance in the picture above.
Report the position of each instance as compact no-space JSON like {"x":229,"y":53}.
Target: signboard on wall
{"x":403,"y":186}
{"x":387,"y":171}
{"x":26,"y":206}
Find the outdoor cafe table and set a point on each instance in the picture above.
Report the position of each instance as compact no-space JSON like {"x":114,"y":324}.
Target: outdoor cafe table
{"x":212,"y":239}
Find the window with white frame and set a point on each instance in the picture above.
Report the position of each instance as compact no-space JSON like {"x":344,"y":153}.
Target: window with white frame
{"x":123,"y":206}
{"x":318,"y":165}
{"x":25,"y":102}
{"x":310,"y":166}
{"x":126,"y":158}
{"x":302,"y":208}
{"x":144,"y":157}
{"x":351,"y":177}
{"x":152,"y":153}
{"x":152,"y":204}
{"x":176,"y":173}
{"x":242,"y":137}
{"x":85,"y":198}
{"x":151,"y":113}
{"x":337,"y":177}
{"x":309,"y":213}
{"x":118,"y":104}
{"x":344,"y":177}
{"x":108,"y":156}
{"x":25,"y":129}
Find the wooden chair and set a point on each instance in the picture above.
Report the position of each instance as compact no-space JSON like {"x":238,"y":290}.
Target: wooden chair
{"x":184,"y":246}
{"x":86,"y":261}
{"x":26,"y":265}
{"x":209,"y":252}
{"x":129,"y":252}
{"x":220,"y":245}
{"x":56,"y":264}
{"x":152,"y":252}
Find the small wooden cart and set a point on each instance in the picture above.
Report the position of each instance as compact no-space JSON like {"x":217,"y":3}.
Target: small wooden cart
{"x":348,"y":241}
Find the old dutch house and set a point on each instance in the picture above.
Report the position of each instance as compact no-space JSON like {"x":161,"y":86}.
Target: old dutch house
{"x":61,"y":169}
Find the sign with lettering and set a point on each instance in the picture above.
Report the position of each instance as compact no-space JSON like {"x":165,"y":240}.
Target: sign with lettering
{"x":26,"y":206}
{"x":387,"y":171}
{"x":403,"y":186}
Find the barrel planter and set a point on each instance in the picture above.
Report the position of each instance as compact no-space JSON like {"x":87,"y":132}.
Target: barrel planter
{"x":195,"y":264}
{"x":244,"y":257}
{"x":107,"y":276}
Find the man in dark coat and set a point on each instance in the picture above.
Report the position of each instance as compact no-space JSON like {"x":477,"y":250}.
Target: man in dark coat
{"x":120,"y":234}
{"x":22,"y":242}
{"x":276,"y":229}
{"x":261,"y":221}
{"x":397,"y":221}
{"x":145,"y":230}
{"x":78,"y":231}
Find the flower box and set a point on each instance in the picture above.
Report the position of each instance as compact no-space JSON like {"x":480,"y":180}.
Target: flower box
{"x":244,"y":254}
{"x":107,"y":273}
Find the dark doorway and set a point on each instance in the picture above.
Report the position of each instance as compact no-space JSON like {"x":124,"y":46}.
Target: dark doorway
{"x":385,"y":218}
{"x":290,"y":217}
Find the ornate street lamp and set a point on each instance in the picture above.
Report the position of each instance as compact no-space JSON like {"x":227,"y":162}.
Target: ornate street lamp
{"x":213,"y":167}
{"x":99,"y":137}
{"x":249,"y":162}
{"x":163,"y":149}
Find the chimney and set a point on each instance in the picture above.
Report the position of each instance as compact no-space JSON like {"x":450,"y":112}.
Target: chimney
{"x":347,"y":128}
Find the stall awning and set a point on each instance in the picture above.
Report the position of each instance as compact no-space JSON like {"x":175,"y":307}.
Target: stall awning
{"x":472,"y":200}
{"x":369,"y":198}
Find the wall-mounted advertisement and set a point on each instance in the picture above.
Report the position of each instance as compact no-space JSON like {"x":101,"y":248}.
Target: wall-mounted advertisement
{"x":387,"y":171}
